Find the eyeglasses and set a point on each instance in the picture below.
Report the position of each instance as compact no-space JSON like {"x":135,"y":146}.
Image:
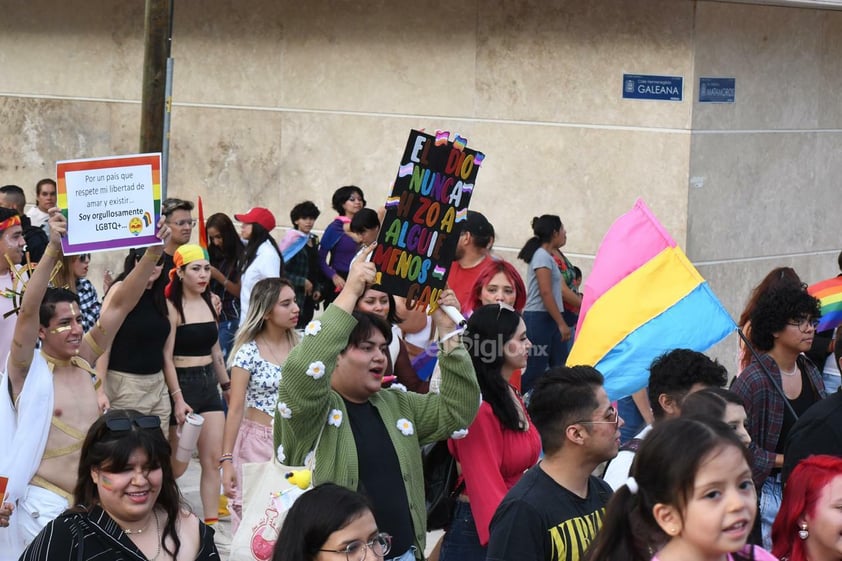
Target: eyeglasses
{"x":804,"y":324}
{"x":122,"y":424}
{"x":380,"y":545}
{"x":614,"y":418}
{"x":185,"y":222}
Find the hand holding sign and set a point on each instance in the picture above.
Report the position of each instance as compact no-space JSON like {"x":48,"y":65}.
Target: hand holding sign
{"x":58,"y":225}
{"x":360,"y":276}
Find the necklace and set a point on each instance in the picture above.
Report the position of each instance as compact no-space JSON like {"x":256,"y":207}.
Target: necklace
{"x":157,"y":533}
{"x":790,"y":372}
{"x":271,"y":351}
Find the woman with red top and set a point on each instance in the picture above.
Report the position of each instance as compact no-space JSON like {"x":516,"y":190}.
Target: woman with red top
{"x":501,"y":443}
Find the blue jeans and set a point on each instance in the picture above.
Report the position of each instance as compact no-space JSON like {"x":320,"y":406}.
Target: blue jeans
{"x":548,"y":350}
{"x":227,"y":331}
{"x":770,"y":504}
{"x":461,"y":542}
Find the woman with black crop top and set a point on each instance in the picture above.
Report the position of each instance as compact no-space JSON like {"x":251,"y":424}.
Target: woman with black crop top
{"x":132,"y":368}
{"x":193,"y":365}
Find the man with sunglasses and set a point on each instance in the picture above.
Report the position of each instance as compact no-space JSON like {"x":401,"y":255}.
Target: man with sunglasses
{"x":555,"y":510}
{"x":48,"y":398}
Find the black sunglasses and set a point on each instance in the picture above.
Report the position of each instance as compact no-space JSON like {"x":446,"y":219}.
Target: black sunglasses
{"x":122,"y":424}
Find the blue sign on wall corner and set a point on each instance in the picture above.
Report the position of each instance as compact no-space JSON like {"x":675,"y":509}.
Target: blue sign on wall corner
{"x":662,"y":88}
{"x":717,"y":90}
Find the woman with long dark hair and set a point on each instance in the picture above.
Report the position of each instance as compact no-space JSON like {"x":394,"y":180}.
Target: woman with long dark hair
{"x":334,"y":520}
{"x":132,"y":368}
{"x":501,"y":443}
{"x":262,"y":259}
{"x":544,"y":308}
{"x":226,"y":254}
{"x":193,"y":365}
{"x":127,"y":503}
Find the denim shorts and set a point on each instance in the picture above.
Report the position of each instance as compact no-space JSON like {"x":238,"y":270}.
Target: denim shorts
{"x":199,"y":388}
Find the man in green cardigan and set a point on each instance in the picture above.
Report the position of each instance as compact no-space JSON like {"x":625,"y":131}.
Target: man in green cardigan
{"x":370,"y":439}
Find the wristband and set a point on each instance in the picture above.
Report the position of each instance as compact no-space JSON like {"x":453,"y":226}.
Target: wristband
{"x":50,"y":251}
{"x":225,"y":459}
{"x":226,"y":386}
{"x":454,"y":333}
{"x":173,"y":394}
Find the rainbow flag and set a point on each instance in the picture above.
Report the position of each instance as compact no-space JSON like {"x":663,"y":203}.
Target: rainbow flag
{"x":642,"y":299}
{"x":829,"y":293}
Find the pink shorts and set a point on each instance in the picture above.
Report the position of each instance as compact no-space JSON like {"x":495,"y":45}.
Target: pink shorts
{"x":254,"y":444}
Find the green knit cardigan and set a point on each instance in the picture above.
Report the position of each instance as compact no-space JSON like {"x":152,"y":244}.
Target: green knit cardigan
{"x":306,"y":403}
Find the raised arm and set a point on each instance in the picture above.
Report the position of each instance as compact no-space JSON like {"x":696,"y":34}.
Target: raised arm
{"x":28,"y":322}
{"x":123,"y":299}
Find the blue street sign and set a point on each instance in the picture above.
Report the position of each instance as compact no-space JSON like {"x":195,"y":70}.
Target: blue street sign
{"x":663,"y":88}
{"x":717,"y":90}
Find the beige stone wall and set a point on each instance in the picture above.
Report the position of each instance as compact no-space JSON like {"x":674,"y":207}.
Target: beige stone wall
{"x":281,"y":101}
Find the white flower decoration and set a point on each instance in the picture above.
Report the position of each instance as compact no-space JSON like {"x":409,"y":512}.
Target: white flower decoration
{"x":313,"y":327}
{"x":405,"y":426}
{"x":335,"y":418}
{"x":459,"y":434}
{"x":280,"y":453}
{"x":397,"y":386}
{"x":316,"y":369}
{"x":284,"y":411}
{"x":309,"y":458}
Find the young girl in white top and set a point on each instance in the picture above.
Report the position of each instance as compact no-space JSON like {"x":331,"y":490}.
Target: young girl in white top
{"x":690,"y":498}
{"x":263,"y":342}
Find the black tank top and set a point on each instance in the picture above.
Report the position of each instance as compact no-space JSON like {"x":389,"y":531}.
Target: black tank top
{"x":195,"y":339}
{"x":138,"y":347}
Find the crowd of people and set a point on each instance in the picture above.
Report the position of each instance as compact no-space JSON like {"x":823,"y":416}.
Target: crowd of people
{"x":290,"y":351}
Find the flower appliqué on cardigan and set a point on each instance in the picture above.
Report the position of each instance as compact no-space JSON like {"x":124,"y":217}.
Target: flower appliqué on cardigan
{"x":335,"y":418}
{"x":313,"y":327}
{"x":284,"y":410}
{"x":459,"y":434}
{"x":397,"y":386}
{"x":316,"y":369}
{"x":280,"y":453}
{"x":405,"y":426}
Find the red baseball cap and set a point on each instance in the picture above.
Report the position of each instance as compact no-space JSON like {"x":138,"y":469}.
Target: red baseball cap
{"x":258,"y":215}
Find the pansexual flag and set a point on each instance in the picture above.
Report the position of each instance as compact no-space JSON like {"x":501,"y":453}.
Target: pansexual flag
{"x":829,"y":293}
{"x":642,"y":299}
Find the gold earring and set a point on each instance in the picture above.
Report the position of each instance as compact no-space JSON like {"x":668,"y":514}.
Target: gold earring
{"x":803,"y":533}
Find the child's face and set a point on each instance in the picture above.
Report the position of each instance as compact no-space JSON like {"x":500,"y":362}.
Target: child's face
{"x":735,"y":417}
{"x":305,"y":224}
{"x":720,"y":510}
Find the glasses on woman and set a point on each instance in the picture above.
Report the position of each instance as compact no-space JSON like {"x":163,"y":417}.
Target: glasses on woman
{"x":804,"y":324}
{"x":379,"y":545}
{"x":185,"y":222}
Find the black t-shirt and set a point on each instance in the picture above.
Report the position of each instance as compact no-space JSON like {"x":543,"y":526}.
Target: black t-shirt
{"x":800,"y":404}
{"x":818,"y":431}
{"x":138,"y":346}
{"x":539,"y":520}
{"x":381,"y":479}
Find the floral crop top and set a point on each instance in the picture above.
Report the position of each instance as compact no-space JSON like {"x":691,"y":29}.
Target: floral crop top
{"x":262,"y":391}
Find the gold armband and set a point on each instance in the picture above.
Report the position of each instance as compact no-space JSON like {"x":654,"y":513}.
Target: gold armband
{"x":51,"y":251}
{"x":89,"y":339}
{"x":100,"y":327}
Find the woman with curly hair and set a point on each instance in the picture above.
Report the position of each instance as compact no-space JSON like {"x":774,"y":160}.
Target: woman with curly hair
{"x":778,"y":386}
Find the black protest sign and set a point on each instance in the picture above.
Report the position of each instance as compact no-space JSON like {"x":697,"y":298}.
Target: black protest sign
{"x":424,"y":216}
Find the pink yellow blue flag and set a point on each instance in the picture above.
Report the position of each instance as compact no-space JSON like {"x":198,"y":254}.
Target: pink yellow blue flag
{"x":829,"y":293}
{"x":642,"y":299}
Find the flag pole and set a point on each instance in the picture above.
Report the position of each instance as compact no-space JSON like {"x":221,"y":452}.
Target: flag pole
{"x":775,"y":384}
